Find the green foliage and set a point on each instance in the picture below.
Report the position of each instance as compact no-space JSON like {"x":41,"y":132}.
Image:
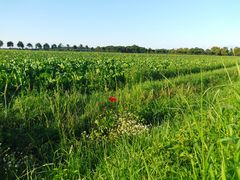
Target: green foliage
{"x":224,"y":51}
{"x":236,"y":51}
{"x":23,"y":72}
{"x":216,"y":50}
{"x":173,"y":116}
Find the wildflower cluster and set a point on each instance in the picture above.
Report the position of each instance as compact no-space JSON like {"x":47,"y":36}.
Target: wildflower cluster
{"x":129,"y":124}
{"x":112,"y":124}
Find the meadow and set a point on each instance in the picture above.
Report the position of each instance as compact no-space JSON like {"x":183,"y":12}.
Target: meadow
{"x":86,"y":115}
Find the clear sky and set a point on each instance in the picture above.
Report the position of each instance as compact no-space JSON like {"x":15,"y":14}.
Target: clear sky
{"x":148,"y":23}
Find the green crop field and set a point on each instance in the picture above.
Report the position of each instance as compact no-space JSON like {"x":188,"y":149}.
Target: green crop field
{"x":88,"y":115}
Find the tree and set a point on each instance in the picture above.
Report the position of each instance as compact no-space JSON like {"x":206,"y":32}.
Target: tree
{"x":54,"y":46}
{"x":68,"y":47}
{"x":10,"y":44}
{"x":208,"y":52}
{"x":196,"y":51}
{"x":46,"y":46}
{"x":80,"y":47}
{"x":20,"y":44}
{"x":216,"y":50}
{"x":29,"y":45}
{"x":1,"y":43}
{"x":231,"y":53}
{"x":162,"y":51}
{"x":224,"y":51}
{"x":136,"y":49}
{"x":38,"y":46}
{"x":75,"y":47}
{"x":182,"y":51}
{"x":236,"y":51}
{"x":60,"y":46}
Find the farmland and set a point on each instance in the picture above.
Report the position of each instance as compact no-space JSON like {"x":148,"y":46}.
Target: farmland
{"x":72,"y":115}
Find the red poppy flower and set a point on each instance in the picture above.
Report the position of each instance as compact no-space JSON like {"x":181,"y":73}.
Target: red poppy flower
{"x":112,"y":99}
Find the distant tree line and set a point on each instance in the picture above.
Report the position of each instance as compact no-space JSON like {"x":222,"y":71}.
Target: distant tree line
{"x":225,"y":51}
{"x":193,"y":51}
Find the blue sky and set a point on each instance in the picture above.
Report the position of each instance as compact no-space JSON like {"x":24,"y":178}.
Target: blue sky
{"x":148,"y":23}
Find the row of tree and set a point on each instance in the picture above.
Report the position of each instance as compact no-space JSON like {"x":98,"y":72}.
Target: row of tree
{"x":127,"y":49}
{"x":46,"y":46}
